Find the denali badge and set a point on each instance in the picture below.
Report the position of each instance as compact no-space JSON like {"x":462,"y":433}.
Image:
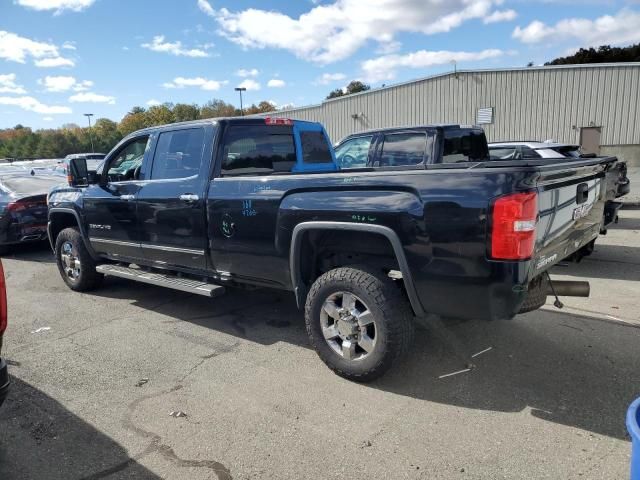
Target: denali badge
{"x":99,"y":227}
{"x":544,"y":261}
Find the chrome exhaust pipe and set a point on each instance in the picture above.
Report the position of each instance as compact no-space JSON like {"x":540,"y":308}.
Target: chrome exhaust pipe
{"x":568,"y":289}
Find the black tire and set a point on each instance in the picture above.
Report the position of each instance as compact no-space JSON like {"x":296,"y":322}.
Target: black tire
{"x":389,"y":307}
{"x":87,"y":278}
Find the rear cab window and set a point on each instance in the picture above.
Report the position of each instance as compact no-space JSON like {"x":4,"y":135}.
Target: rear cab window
{"x":464,"y":145}
{"x":250,"y":149}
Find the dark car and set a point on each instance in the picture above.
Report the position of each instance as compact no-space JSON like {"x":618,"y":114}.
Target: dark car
{"x":23,"y":208}
{"x":4,"y":375}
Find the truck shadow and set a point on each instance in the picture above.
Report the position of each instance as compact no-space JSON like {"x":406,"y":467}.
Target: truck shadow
{"x":39,"y":438}
{"x":573,"y":370}
{"x":615,"y":262}
{"x":30,"y":252}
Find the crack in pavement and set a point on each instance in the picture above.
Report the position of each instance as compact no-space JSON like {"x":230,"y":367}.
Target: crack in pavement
{"x":156,"y":446}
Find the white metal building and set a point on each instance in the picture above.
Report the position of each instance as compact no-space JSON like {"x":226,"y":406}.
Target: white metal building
{"x":596,"y":105}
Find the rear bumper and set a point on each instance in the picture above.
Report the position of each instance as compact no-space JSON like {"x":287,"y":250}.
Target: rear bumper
{"x":4,"y":381}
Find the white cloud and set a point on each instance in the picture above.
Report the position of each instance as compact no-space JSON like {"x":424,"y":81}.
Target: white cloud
{"x":17,"y":49}
{"x":153,"y":102}
{"x":69,"y":46}
{"x":47,"y":119}
{"x":247,"y":73}
{"x":54,"y":62}
{"x":202,"y":83}
{"x":383,"y":68}
{"x":249,"y":84}
{"x":64,"y":83}
{"x":33,"y":105}
{"x":205,"y":7}
{"x":328,"y":78}
{"x":276,"y":83}
{"x":8,"y":84}
{"x":621,"y":28}
{"x":57,"y":5}
{"x":90,"y":97}
{"x":57,"y":84}
{"x":159,"y":45}
{"x":332,"y":32}
{"x":385,"y":48}
{"x":500,"y":16}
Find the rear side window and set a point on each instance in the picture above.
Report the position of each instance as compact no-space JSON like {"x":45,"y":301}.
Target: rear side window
{"x":258,"y":150}
{"x":402,"y":149}
{"x":504,"y":153}
{"x":178,"y":154}
{"x":315,"y":148}
{"x":464,"y":145}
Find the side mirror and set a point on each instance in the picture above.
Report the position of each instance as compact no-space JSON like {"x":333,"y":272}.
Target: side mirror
{"x":78,"y":173}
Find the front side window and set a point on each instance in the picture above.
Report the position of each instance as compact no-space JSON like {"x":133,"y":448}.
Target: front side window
{"x":178,"y":154}
{"x":403,"y":149}
{"x":354,"y":153}
{"x":464,"y":145}
{"x":124,"y":165}
{"x":258,"y":150}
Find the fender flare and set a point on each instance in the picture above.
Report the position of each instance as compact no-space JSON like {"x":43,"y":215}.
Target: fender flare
{"x":299,"y":288}
{"x":83,"y":234}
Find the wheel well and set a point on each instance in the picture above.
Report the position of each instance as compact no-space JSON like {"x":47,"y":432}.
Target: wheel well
{"x":329,"y":249}
{"x":60,"y":221}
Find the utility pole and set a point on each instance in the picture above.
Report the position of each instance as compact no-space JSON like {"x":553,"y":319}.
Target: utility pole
{"x":89,"y":115}
{"x":240,"y":90}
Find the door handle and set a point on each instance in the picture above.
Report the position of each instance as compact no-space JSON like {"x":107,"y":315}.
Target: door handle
{"x":189,"y":197}
{"x":127,"y":197}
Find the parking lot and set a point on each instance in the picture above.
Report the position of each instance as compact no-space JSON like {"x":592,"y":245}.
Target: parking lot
{"x":96,"y":377}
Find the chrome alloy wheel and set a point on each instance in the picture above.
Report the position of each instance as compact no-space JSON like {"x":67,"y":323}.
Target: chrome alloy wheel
{"x":70,"y":261}
{"x":348,"y":326}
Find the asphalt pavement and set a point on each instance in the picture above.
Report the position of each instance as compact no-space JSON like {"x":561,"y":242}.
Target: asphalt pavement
{"x":135,"y":381}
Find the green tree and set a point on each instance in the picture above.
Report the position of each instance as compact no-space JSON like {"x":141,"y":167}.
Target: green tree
{"x":355,"y":86}
{"x":218,"y":108}
{"x":183,"y":112}
{"x":603,"y":54}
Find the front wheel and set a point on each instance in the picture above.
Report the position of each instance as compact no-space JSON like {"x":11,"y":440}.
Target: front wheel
{"x":359,"y":322}
{"x":77,"y":268}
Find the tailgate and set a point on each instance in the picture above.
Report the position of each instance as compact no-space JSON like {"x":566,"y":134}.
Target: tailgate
{"x":571,"y":209}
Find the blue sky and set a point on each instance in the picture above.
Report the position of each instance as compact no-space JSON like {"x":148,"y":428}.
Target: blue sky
{"x":62,"y":58}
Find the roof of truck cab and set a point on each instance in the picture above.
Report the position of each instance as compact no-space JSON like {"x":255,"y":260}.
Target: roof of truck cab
{"x":211,"y":121}
{"x":532,"y":144}
{"x":444,"y":126}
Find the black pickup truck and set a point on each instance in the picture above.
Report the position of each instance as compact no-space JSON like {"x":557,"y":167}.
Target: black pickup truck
{"x":258,"y":202}
{"x":403,"y":147}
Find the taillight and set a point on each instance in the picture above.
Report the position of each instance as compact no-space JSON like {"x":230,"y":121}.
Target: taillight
{"x":22,"y":205}
{"x":278,"y":121}
{"x":3,"y":302}
{"x":513,"y":226}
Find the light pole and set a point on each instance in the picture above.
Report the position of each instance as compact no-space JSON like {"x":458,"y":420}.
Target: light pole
{"x":89,"y":115}
{"x":241,"y":89}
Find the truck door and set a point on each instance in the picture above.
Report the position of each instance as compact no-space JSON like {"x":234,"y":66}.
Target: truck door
{"x":171,"y":216}
{"x":110,"y":207}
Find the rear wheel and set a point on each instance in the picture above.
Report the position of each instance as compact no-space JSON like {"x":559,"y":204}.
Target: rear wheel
{"x":77,"y":268}
{"x":359,"y":322}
